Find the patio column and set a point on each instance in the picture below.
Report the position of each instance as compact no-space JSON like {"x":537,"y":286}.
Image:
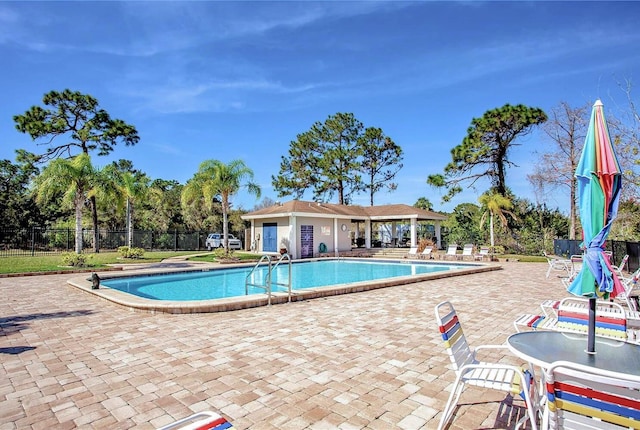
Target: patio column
{"x":253,"y":244}
{"x":367,"y":233}
{"x":438,"y":236}
{"x":293,"y":235}
{"x":414,"y":233}
{"x":394,"y":237}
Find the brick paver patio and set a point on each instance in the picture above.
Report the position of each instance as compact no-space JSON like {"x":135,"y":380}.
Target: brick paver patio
{"x":370,"y":360}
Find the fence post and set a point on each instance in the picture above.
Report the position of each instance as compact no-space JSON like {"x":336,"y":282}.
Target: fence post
{"x":33,"y":241}
{"x":175,"y":239}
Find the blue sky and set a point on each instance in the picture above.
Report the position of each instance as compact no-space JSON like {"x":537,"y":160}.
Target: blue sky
{"x":239,"y":80}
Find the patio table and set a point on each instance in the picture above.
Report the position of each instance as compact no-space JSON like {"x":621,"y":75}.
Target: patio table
{"x":541,"y":348}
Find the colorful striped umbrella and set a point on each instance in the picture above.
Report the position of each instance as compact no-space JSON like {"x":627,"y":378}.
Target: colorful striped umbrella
{"x":599,"y":183}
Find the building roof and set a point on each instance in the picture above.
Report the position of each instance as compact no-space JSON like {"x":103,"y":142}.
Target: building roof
{"x":330,"y":210}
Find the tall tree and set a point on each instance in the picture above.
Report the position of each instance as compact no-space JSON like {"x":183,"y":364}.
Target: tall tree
{"x":127,"y":186}
{"x":566,"y":129}
{"x":495,"y":205}
{"x":266,"y":202}
{"x":625,"y":131}
{"x":324,"y":159}
{"x":17,"y":208}
{"x":216,"y":180}
{"x":423,"y":203}
{"x":462,"y":225}
{"x":381,"y":161}
{"x":484,"y":152}
{"x":74,"y":178}
{"x":161,"y":209}
{"x":74,"y":122}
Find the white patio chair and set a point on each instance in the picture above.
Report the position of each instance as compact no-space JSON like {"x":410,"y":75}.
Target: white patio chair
{"x":630,"y":284}
{"x":619,"y":269}
{"x":559,"y":264}
{"x":470,"y":371}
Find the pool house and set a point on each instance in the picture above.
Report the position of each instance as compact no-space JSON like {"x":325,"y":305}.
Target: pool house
{"x":309,"y":229}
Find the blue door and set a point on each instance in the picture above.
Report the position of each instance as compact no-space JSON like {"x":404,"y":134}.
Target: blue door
{"x":270,"y":237}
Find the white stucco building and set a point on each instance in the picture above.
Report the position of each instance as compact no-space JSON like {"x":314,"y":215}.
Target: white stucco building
{"x":307,"y":229}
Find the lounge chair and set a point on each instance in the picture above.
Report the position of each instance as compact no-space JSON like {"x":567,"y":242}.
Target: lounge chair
{"x":585,"y":397}
{"x":467,"y":251}
{"x":484,"y":253}
{"x":619,"y":269}
{"x":202,"y":420}
{"x":470,"y":371}
{"x":629,"y":297}
{"x":426,"y":253}
{"x":413,"y":252}
{"x":452,"y":251}
{"x":559,"y":264}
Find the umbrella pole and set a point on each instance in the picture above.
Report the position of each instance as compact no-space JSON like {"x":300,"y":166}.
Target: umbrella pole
{"x":591,"y":336}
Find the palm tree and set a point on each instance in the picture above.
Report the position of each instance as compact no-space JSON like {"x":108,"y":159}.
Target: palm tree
{"x":216,"y":180}
{"x":72,"y":178}
{"x":495,"y":204}
{"x":126,"y":187}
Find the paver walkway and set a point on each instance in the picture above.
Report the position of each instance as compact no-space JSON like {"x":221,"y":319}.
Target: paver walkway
{"x":370,"y":360}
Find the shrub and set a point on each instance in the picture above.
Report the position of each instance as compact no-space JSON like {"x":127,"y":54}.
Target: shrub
{"x":423,"y":243}
{"x":75,"y":260}
{"x":133,"y":252}
{"x":221,"y":253}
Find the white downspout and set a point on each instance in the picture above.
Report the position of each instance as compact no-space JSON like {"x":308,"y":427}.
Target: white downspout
{"x":336,"y":253}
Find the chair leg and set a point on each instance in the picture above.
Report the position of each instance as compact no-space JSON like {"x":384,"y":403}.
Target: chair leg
{"x":456,"y":391}
{"x":531,"y":399}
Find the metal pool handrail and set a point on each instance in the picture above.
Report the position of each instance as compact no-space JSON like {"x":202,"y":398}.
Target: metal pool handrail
{"x":267,"y":285}
{"x":288,"y":284}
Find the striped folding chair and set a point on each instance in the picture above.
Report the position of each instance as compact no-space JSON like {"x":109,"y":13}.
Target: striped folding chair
{"x":573,"y":316}
{"x":206,"y":420}
{"x":584,"y":397}
{"x":470,"y":371}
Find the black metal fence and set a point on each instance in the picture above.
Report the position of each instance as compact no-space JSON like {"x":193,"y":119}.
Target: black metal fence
{"x":47,"y":241}
{"x":619,"y":249}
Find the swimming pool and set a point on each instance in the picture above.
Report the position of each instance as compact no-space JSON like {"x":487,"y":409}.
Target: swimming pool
{"x":315,"y":273}
{"x":224,"y":283}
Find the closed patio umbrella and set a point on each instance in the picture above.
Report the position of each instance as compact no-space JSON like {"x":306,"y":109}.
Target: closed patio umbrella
{"x":599,"y":183}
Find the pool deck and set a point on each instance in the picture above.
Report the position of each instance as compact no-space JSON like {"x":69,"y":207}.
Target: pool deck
{"x":368,"y":360}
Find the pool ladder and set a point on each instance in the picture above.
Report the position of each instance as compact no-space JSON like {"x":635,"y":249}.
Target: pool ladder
{"x":268,"y":282}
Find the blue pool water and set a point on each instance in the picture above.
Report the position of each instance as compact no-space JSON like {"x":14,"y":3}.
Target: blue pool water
{"x":216,"y":284}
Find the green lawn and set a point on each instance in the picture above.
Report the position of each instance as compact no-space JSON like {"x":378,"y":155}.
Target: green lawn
{"x":49,"y":263}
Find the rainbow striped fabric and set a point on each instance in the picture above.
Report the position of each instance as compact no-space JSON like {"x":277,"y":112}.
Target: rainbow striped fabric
{"x":580,"y":397}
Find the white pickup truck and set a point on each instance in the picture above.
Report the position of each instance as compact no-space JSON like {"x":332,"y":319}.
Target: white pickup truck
{"x":214,"y":240}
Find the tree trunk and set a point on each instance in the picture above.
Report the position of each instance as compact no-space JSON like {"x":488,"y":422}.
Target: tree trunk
{"x":79,"y":205}
{"x":94,"y":218}
{"x":491,"y":230}
{"x":225,"y":226}
{"x":129,"y":224}
{"x":572,"y":212}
